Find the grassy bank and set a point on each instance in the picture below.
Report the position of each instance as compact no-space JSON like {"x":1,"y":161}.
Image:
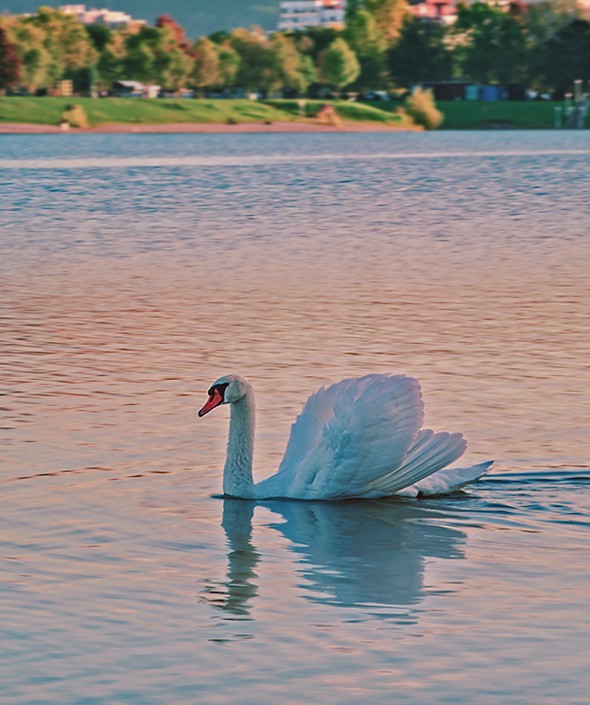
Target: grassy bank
{"x":480,"y":115}
{"x":102,"y":111}
{"x":347,"y":110}
{"x":507,"y":114}
{"x":459,"y":115}
{"x":48,"y":111}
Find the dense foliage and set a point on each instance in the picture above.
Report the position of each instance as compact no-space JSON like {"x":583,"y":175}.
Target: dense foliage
{"x":544,"y":46}
{"x":9,"y":62}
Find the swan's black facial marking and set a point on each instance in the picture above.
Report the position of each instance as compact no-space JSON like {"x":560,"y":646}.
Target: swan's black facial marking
{"x":216,"y":397}
{"x":220,"y":388}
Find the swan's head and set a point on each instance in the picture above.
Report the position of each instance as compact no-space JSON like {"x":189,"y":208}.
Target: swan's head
{"x":226,"y":390}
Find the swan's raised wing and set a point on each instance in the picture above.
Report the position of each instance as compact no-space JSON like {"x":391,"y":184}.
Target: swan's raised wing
{"x":428,"y":455}
{"x":368,"y":438}
{"x":307,"y":430}
{"x":348,"y":435}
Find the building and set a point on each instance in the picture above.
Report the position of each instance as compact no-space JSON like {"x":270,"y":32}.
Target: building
{"x":439,"y":11}
{"x":65,"y":88}
{"x":302,"y":14}
{"x":445,"y":11}
{"x":109,"y":18}
{"x":134,"y":89}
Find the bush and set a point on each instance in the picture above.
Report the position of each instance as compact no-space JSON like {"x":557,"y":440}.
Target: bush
{"x":75,"y":115}
{"x":421,"y":107}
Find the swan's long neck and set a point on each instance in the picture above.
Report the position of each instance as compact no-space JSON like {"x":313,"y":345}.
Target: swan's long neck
{"x":237,"y":474}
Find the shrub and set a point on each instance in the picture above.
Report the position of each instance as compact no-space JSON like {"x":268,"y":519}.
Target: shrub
{"x":75,"y":115}
{"x":421,"y":107}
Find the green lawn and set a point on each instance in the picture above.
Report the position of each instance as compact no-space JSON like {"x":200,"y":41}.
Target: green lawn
{"x":466,"y":115}
{"x":142,"y":111}
{"x":480,"y":115}
{"x":459,"y":115}
{"x":355,"y":112}
{"x":167,"y":110}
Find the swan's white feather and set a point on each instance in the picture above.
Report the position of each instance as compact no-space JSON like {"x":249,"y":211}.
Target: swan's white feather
{"x":307,"y":429}
{"x":445,"y":481}
{"x":347,"y":436}
{"x":431,"y":452}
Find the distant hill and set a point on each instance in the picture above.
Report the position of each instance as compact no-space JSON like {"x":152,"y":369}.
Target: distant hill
{"x":198,"y":17}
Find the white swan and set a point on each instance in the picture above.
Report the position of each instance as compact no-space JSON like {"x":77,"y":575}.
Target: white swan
{"x":357,"y":439}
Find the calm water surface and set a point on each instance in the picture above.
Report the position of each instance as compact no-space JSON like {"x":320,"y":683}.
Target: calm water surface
{"x":136,"y":269}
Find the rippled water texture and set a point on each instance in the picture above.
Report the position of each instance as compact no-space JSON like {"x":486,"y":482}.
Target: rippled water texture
{"x":136,"y":269}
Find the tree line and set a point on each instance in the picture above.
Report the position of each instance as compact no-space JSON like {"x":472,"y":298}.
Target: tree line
{"x":543,"y":46}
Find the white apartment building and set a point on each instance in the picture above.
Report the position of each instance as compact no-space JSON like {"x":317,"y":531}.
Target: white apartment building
{"x":300,"y":14}
{"x":110,"y":18}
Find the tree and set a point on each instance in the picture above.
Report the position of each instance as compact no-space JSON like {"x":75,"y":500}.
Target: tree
{"x":220,"y":37}
{"x":294,"y":70}
{"x":566,"y":57}
{"x":176,"y":30}
{"x":420,"y":54}
{"x":389,"y":15}
{"x":139,"y":61}
{"x":66,"y":40}
{"x":545,"y":18}
{"x":229,"y":64}
{"x":491,"y":45}
{"x":100,"y":35}
{"x":314,"y":41}
{"x":367,"y":41}
{"x":308,"y":70}
{"x":206,"y":70}
{"x":339,"y":65}
{"x":110,"y":65}
{"x":155,"y":55}
{"x":9,"y":62}
{"x":35,"y":59}
{"x":258,"y":70}
{"x":178,"y":69}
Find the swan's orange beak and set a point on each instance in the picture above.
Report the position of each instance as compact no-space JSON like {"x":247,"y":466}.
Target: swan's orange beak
{"x":214,"y":400}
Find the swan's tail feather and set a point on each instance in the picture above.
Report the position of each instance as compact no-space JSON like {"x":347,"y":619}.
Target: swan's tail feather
{"x":430,"y":452}
{"x":446,"y":481}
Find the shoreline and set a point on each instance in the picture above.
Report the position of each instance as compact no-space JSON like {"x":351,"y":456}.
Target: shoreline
{"x":18,"y":128}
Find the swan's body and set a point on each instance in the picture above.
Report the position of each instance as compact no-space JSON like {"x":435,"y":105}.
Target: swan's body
{"x":357,"y":439}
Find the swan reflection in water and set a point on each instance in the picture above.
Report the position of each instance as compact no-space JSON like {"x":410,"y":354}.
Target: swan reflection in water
{"x":353,"y":554}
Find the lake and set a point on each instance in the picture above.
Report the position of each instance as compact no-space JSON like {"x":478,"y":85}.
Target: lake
{"x":136,"y":269}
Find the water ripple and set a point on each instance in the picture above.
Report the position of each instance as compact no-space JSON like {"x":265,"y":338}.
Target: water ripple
{"x":136,"y":269}
{"x":66,"y":163}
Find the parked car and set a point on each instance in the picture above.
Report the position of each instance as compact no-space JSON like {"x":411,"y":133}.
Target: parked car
{"x":374,"y":95}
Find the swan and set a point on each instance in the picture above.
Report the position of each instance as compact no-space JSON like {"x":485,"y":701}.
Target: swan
{"x":356,"y":439}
